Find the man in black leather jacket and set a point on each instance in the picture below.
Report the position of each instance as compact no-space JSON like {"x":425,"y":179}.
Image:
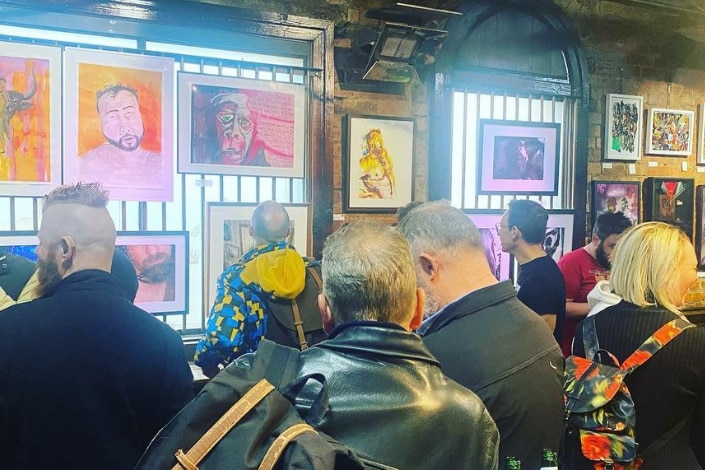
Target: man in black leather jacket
{"x":389,"y":400}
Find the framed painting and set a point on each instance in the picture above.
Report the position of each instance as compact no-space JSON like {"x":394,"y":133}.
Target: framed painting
{"x":118,"y":123}
{"x":559,"y":233}
{"x":378,"y":163}
{"x":670,"y":132}
{"x":237,"y":126}
{"x":21,"y":243}
{"x":670,"y":200}
{"x":30,"y":119}
{"x":161,"y":262}
{"x":516,"y":157}
{"x":700,"y":158}
{"x":486,"y":221}
{"x":228,"y":238}
{"x":616,"y":196}
{"x":700,"y":225}
{"x":623,"y":127}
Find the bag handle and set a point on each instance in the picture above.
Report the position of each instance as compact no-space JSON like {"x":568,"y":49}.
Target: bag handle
{"x":319,"y":406}
{"x":654,"y":343}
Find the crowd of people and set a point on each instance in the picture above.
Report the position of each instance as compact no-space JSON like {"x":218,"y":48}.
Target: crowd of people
{"x":430,"y":361}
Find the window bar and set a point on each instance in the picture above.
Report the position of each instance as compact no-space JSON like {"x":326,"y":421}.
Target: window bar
{"x":12,"y":214}
{"x":463,"y":160}
{"x":35,"y":213}
{"x":123,"y":215}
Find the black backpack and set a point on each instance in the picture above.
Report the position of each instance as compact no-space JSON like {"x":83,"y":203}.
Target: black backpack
{"x":297,"y":322}
{"x":246,"y":420}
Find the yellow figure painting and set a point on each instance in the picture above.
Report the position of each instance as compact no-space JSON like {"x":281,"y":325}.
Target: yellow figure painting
{"x":377,"y":180}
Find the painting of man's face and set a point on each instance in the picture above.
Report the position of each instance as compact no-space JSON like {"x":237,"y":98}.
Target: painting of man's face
{"x":120,"y":119}
{"x":234,"y":127}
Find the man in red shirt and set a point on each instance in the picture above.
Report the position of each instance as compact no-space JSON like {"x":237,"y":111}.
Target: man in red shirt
{"x":582,"y":268}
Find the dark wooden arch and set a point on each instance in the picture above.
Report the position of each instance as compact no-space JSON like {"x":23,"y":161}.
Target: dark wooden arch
{"x":450,"y":74}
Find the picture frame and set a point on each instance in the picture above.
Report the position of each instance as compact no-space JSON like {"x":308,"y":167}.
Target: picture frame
{"x":670,"y":132}
{"x":501,"y":263}
{"x":161,"y":262}
{"x":267,"y":138}
{"x":623,"y":127}
{"x":227,"y":238}
{"x":21,"y":243}
{"x":670,"y":200}
{"x":700,"y":225}
{"x":614,"y":196}
{"x":378,"y":162}
{"x":559,"y":233}
{"x":30,"y":153}
{"x":700,"y":157}
{"x":104,"y":93}
{"x":517,"y":157}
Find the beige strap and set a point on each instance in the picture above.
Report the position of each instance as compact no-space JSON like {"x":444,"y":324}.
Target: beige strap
{"x":316,"y":278}
{"x":205,"y":444}
{"x":277,"y":448}
{"x":299,"y":325}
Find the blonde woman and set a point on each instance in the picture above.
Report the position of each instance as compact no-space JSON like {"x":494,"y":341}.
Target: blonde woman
{"x":654,"y":264}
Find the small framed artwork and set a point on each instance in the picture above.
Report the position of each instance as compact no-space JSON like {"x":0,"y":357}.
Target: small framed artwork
{"x":161,"y":263}
{"x":21,"y":243}
{"x":616,"y":196}
{"x":236,"y":126}
{"x":700,"y":225}
{"x":228,"y":238}
{"x":30,"y":119}
{"x":670,"y":200}
{"x":701,"y":137}
{"x":623,"y":127}
{"x":516,"y":157}
{"x":378,"y":163}
{"x":559,"y":233}
{"x":486,"y":221}
{"x":118,"y":123}
{"x":670,"y":132}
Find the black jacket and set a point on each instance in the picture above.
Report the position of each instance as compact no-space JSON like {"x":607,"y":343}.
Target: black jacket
{"x":390,"y":402}
{"x":86,"y":378}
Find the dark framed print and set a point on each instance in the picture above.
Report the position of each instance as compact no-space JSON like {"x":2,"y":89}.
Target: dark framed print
{"x":559,"y":233}
{"x":228,"y":238}
{"x":670,"y":200}
{"x":378,"y":163}
{"x":30,"y":119}
{"x":486,"y":221}
{"x":516,"y":157}
{"x":670,"y":132}
{"x":623,"y":127}
{"x":616,"y":196}
{"x":161,"y":262}
{"x":239,"y":126}
{"x":700,"y":225}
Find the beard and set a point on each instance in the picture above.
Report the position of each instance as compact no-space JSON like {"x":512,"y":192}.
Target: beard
{"x":157,"y":273}
{"x":432,"y":304}
{"x":48,"y":277}
{"x":127,"y":142}
{"x":602,"y":258}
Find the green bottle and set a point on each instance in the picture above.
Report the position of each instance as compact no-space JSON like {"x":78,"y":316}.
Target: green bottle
{"x":549,"y":461}
{"x":512,"y":463}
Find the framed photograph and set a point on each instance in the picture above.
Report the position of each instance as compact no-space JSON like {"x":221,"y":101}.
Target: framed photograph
{"x":236,"y":126}
{"x":700,"y":225}
{"x":616,"y":196}
{"x":623,"y":127}
{"x":486,"y":221}
{"x":516,"y":157}
{"x":118,"y":123}
{"x":670,"y":200}
{"x":161,"y":262}
{"x":21,"y":243}
{"x":700,"y":158}
{"x":559,"y":233}
{"x":30,"y":120}
{"x":228,"y":238}
{"x":378,"y":163}
{"x":670,"y":132}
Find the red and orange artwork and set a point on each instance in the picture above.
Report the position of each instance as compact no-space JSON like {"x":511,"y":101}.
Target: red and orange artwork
{"x":25,"y":131}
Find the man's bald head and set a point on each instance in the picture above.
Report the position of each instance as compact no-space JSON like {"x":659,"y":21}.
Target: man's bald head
{"x":270,"y":222}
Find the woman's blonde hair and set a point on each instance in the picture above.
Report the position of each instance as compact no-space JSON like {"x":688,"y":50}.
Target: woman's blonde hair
{"x":645,"y":265}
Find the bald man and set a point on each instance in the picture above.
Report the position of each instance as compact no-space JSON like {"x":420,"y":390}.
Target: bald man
{"x":86,"y":377}
{"x":270,"y":291}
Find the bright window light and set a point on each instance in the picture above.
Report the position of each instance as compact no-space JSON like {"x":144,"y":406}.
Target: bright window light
{"x":223,"y":54}
{"x":61,"y":36}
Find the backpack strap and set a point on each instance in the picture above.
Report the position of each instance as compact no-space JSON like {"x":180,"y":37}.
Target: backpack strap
{"x":298,"y":322}
{"x":590,"y":341}
{"x":654,"y":343}
{"x":279,"y":445}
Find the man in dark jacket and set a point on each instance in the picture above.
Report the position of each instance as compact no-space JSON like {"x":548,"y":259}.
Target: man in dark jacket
{"x":86,"y":377}
{"x":389,"y":400}
{"x":483,"y":336}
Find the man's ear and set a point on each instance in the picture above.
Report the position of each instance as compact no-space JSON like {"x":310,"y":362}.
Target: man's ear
{"x":429,"y":264}
{"x":326,"y":315}
{"x":67,"y":246}
{"x":418,"y":310}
